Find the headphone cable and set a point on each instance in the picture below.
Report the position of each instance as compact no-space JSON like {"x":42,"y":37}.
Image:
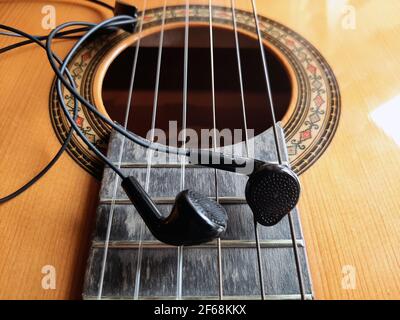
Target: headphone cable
{"x":37,"y":40}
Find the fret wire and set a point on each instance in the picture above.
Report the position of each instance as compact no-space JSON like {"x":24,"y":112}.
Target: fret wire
{"x":150,"y":153}
{"x":127,"y":112}
{"x":219,"y":251}
{"x":184,"y":124}
{"x":278,"y":149}
{"x":236,"y":244}
{"x":127,"y":165}
{"x":195,"y":298}
{"x":256,"y":233}
{"x":171,"y":200}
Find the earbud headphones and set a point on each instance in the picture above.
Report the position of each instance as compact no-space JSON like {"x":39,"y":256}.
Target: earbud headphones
{"x":272,"y":190}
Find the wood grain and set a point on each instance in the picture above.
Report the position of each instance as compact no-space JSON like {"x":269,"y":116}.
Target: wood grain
{"x":350,"y":203}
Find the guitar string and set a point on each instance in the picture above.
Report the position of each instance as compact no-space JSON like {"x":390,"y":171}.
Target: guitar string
{"x":150,"y":152}
{"x":184,"y":124}
{"x":278,"y":149}
{"x":219,"y":251}
{"x":115,"y":187}
{"x":239,"y":62}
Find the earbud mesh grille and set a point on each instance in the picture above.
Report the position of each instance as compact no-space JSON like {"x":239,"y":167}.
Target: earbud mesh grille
{"x":272,"y":194}
{"x":209,"y":208}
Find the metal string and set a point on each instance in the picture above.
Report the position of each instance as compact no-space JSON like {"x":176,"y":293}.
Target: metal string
{"x":268,"y":83}
{"x":184,"y":127}
{"x":150,"y":152}
{"x":272,"y":109}
{"x":115,"y":188}
{"x":239,"y":62}
{"x":220,"y":281}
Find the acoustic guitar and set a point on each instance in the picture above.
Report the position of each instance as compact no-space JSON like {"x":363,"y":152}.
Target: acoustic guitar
{"x":334,"y":73}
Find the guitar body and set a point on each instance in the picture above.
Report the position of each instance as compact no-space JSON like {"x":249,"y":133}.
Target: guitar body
{"x":350,"y":198}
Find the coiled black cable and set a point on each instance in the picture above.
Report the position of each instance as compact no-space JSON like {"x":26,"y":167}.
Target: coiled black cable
{"x":37,"y":40}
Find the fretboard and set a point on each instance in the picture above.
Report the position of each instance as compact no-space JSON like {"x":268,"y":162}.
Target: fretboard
{"x":126,"y":262}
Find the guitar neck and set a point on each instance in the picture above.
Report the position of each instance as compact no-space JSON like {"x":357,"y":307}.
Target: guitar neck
{"x":126,"y":262}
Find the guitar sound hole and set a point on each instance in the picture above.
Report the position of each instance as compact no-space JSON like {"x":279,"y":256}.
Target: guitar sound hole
{"x":229,"y":111}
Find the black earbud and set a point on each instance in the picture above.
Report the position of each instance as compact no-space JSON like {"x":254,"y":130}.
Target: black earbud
{"x":195,"y":219}
{"x":272,"y":190}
